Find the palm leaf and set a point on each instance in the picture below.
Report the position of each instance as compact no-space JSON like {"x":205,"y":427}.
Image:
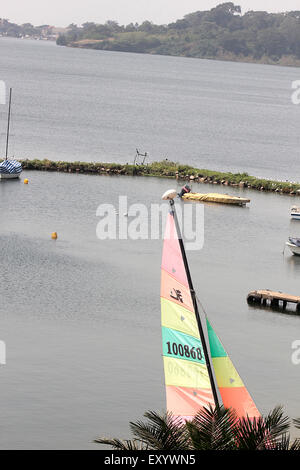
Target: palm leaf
{"x":122,"y":444}
{"x":295,"y":445}
{"x":262,"y":433}
{"x":276,"y":422}
{"x":213,"y":429}
{"x":285,"y":443}
{"x":161,"y":432}
{"x":297,"y":423}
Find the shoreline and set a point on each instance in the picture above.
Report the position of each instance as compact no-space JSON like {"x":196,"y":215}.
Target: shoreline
{"x":284,"y":61}
{"x":166,"y":169}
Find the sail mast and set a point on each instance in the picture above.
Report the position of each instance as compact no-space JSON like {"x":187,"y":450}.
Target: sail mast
{"x":193,"y":295}
{"x":8,"y":123}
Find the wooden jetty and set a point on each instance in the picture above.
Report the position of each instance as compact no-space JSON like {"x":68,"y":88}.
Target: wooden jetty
{"x":272,"y":298}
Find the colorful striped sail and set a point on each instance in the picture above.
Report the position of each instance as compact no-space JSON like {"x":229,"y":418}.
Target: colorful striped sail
{"x":231,"y":387}
{"x":188,"y":386}
{"x":194,"y":372}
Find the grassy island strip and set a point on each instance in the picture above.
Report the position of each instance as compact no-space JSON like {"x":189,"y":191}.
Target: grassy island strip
{"x":166,"y":169}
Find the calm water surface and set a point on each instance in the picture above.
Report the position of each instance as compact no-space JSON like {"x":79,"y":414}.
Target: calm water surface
{"x":81,"y":317}
{"x":72,"y":104}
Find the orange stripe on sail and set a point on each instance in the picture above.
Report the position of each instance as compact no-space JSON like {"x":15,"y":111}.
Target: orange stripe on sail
{"x":172,"y":289}
{"x":239,"y":399}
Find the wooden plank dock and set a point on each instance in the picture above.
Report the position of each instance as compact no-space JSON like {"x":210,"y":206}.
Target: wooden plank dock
{"x":273,"y":299}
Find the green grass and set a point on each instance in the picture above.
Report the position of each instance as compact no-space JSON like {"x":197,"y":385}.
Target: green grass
{"x":165,"y":169}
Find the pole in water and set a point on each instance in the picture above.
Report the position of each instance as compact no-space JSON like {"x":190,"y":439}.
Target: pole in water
{"x":8,"y":123}
{"x":193,"y":295}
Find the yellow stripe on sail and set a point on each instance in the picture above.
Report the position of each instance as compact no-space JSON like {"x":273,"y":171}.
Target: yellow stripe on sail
{"x":182,"y":373}
{"x":178,"y":318}
{"x":226,"y":373}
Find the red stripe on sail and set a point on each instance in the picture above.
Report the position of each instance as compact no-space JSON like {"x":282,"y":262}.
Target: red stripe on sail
{"x":239,"y":399}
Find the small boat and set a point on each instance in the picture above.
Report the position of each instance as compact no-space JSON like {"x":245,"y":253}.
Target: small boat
{"x":198,"y":370}
{"x":9,"y":169}
{"x":216,"y":197}
{"x":294,"y":245}
{"x":295,"y":212}
{"x":294,"y":241}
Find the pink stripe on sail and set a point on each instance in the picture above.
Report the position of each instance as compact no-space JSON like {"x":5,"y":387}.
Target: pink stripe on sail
{"x":172,"y":261}
{"x":184,"y":401}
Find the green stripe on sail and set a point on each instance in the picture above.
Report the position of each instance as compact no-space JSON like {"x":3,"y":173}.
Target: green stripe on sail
{"x":216,"y":348}
{"x":178,"y":345}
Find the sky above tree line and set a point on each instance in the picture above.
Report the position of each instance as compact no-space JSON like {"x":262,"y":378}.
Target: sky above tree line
{"x":63,"y":12}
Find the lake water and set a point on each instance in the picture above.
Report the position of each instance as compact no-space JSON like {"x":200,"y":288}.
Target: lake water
{"x":80,"y":316}
{"x":73,"y":104}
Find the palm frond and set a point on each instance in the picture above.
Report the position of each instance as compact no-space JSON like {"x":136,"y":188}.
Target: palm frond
{"x":213,"y":429}
{"x":119,"y":444}
{"x":161,"y":432}
{"x":284,"y":443}
{"x":296,"y":422}
{"x":295,"y":445}
{"x":276,"y":422}
{"x":251,"y":434}
{"x":262,"y":433}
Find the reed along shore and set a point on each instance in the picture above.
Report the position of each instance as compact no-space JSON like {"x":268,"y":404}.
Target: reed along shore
{"x":166,"y":169}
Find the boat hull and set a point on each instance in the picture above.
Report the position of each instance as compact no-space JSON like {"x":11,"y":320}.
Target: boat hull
{"x":8,"y":176}
{"x":294,"y":248}
{"x":216,"y":197}
{"x":295,"y":212}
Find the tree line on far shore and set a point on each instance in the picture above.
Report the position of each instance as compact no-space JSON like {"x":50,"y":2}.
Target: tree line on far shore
{"x":25,"y":30}
{"x":221,"y":33}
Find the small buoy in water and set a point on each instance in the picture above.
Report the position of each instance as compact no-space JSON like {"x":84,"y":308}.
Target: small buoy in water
{"x":54,"y":236}
{"x":25,"y":181}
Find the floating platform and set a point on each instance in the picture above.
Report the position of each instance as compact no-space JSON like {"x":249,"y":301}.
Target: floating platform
{"x":273,"y":299}
{"x":216,"y":197}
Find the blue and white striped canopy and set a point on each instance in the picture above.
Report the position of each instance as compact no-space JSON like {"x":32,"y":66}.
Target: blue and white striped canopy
{"x":10,"y":167}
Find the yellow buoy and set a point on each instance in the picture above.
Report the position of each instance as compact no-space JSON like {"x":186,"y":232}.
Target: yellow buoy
{"x":54,"y":236}
{"x":25,"y":181}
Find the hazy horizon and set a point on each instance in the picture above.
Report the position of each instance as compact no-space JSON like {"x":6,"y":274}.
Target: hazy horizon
{"x":61,"y":13}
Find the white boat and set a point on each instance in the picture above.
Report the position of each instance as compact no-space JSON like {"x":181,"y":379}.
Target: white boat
{"x":9,"y":168}
{"x":295,"y":212}
{"x":4,"y":176}
{"x":295,"y":249}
